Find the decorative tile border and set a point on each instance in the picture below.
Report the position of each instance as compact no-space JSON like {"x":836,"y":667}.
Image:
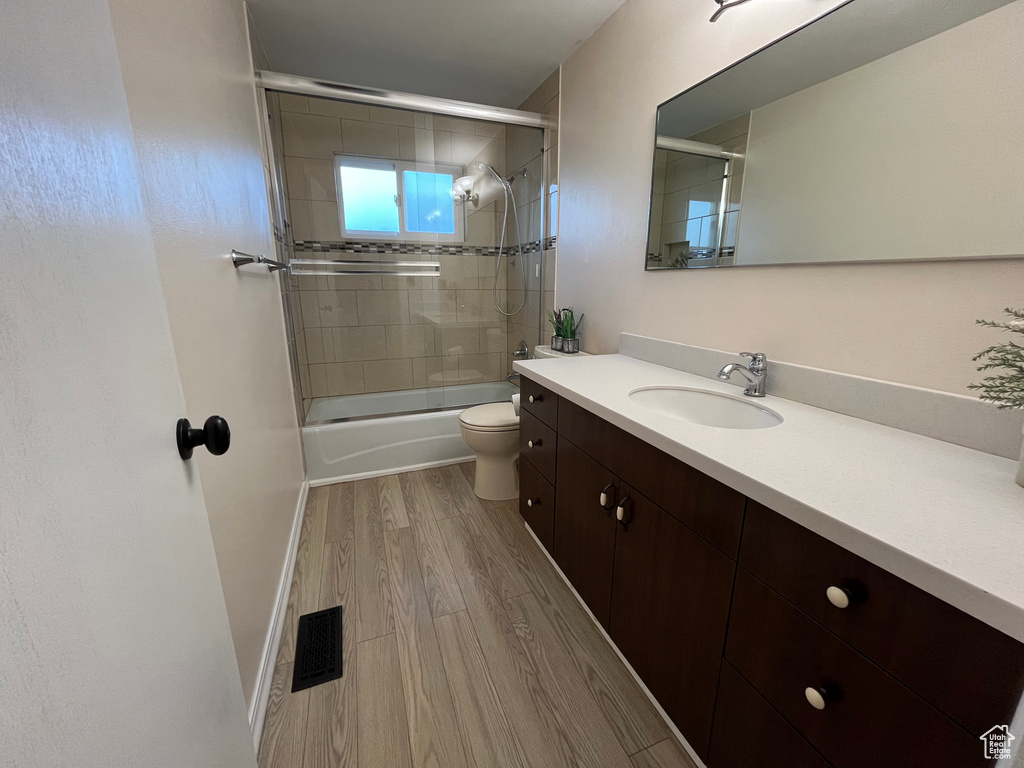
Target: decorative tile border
{"x":440,"y":249}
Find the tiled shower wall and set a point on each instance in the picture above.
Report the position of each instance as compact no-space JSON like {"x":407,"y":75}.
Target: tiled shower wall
{"x":374,"y":333}
{"x":524,"y":153}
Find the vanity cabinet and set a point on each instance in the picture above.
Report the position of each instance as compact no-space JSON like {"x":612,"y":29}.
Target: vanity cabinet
{"x":765,"y":643}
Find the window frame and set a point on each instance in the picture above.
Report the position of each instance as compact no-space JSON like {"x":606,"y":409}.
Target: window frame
{"x":399,"y":167}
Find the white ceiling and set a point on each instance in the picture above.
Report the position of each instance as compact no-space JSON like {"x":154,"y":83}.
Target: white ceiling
{"x":486,"y":51}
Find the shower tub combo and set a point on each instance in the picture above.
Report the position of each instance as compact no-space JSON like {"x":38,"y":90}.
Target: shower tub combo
{"x":376,"y":434}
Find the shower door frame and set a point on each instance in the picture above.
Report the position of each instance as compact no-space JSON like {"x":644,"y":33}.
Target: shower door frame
{"x":266,"y":80}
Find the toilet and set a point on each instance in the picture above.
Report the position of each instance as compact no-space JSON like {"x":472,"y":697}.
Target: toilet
{"x":492,"y":431}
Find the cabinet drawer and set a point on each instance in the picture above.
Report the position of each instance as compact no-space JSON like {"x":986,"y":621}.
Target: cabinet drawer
{"x":745,"y":726}
{"x":937,"y":651}
{"x":869,"y":718}
{"x":538,"y":444}
{"x":536,"y":502}
{"x":712,"y":509}
{"x":538,"y":400}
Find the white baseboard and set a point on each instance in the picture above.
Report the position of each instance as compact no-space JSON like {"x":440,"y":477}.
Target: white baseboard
{"x":668,"y":721}
{"x":261,"y":691}
{"x":390,"y":471}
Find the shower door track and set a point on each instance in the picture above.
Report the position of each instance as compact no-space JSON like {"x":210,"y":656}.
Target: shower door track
{"x":327,"y":89}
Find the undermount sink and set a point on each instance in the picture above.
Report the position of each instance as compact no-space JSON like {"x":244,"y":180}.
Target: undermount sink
{"x":701,"y":406}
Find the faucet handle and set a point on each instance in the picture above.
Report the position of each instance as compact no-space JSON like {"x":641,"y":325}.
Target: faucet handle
{"x":758,"y":361}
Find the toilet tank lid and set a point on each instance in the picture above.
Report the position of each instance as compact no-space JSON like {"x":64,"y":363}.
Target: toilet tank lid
{"x":490,"y":416}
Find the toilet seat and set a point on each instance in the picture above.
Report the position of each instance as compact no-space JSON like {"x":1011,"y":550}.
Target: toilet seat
{"x":491,"y":417}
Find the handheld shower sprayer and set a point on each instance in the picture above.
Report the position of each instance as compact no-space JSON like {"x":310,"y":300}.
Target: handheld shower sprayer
{"x":506,"y":187}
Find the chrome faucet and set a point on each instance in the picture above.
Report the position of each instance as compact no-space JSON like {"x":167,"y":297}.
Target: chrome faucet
{"x":755,"y":373}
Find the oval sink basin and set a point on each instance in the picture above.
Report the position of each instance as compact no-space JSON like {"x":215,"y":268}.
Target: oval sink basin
{"x":701,"y":406}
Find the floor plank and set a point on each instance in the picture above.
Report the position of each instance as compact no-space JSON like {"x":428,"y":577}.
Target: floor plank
{"x":664,"y":754}
{"x":632,"y":716}
{"x":433,"y":728}
{"x":529,"y":713}
{"x":482,"y":722}
{"x":506,"y":573}
{"x":373,"y":588}
{"x":392,"y":504}
{"x":579,"y":716}
{"x":438,"y":577}
{"x":305,"y":591}
{"x":383,"y":729}
{"x":284,"y":727}
{"x":332,"y":723}
{"x":340,"y":511}
{"x":446,"y":486}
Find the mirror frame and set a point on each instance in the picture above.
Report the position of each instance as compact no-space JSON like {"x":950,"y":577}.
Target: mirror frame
{"x":752,"y":54}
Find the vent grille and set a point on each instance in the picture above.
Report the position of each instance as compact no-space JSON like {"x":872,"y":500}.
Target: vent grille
{"x":318,"y":649}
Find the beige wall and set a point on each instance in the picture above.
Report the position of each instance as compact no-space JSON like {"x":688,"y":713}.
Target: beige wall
{"x":911,"y":323}
{"x":189,"y":84}
{"x":922,"y":157}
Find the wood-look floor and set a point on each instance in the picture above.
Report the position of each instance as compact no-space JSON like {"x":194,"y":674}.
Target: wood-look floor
{"x":462,"y":645}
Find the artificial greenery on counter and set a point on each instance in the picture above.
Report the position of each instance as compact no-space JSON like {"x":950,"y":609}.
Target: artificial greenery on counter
{"x":565,"y":323}
{"x":1005,"y":389}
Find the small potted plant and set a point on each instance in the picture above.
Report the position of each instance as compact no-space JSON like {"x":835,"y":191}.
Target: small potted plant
{"x":566,"y":329}
{"x":1007,"y":388}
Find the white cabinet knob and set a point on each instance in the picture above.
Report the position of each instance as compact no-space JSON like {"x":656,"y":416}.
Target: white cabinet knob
{"x":815,"y":697}
{"x":838,"y":596}
{"x":534,"y":400}
{"x":604,"y":499}
{"x":532,"y":443}
{"x":529,"y":502}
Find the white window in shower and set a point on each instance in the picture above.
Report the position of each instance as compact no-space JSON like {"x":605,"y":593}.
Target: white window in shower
{"x":395,"y":200}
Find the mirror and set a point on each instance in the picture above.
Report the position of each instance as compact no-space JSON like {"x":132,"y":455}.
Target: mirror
{"x":882,"y":131}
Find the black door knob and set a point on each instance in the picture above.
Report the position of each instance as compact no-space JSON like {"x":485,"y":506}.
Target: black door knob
{"x":215,"y":435}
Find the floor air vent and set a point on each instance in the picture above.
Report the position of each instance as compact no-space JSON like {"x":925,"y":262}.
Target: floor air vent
{"x":317,"y":649}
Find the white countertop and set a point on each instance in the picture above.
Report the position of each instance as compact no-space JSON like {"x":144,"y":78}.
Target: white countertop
{"x":948,"y":519}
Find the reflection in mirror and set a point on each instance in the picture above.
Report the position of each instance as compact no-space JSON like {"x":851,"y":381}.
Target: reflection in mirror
{"x":882,"y":131}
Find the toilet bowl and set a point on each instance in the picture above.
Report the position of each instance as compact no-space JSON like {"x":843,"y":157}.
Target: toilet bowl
{"x":492,"y":431}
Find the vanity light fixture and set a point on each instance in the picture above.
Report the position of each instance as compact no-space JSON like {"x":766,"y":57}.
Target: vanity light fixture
{"x":723,"y":6}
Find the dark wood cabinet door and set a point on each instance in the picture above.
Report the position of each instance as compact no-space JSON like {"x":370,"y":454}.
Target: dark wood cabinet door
{"x":670,"y":607}
{"x":584,"y":540}
{"x":712,"y":509}
{"x":537,"y":502}
{"x":750,"y":732}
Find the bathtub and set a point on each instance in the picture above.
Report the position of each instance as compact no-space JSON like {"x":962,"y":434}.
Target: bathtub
{"x":356,"y":436}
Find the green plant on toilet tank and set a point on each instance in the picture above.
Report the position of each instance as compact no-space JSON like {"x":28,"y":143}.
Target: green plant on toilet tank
{"x":566,"y":326}
{"x":1005,"y":389}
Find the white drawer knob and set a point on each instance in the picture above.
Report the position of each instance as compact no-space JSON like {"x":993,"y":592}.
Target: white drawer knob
{"x":838,"y":596}
{"x":529,"y":502}
{"x":815,"y":697}
{"x":604,"y":499}
{"x":533,"y":443}
{"x":534,"y":400}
